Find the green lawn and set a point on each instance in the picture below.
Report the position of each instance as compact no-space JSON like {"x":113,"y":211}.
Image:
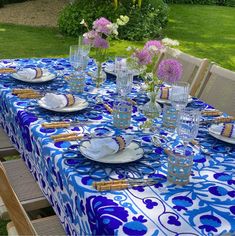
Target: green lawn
{"x":205,"y":31}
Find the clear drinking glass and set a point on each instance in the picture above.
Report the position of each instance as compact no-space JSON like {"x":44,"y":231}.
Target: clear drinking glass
{"x":120,"y":64}
{"x":78,"y":56}
{"x":188,"y":125}
{"x":124,"y":82}
{"x":179,"y":95}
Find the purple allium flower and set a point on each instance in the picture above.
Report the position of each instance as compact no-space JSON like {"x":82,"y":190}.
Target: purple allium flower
{"x":101,"y":25}
{"x":88,"y":38}
{"x":99,"y":42}
{"x":170,"y":70}
{"x":143,"y":56}
{"x":154,"y":45}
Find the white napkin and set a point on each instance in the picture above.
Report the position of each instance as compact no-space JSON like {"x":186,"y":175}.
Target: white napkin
{"x":164,"y":93}
{"x":30,"y":74}
{"x":101,"y":147}
{"x":55,"y":100}
{"x":226,"y":130}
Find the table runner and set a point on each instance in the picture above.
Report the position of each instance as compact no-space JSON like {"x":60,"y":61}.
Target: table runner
{"x":206,"y":206}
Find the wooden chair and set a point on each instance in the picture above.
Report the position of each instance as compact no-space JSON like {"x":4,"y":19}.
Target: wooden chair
{"x":21,"y":224}
{"x":194,"y":68}
{"x":218,"y":89}
{"x":6,"y":148}
{"x":25,"y":187}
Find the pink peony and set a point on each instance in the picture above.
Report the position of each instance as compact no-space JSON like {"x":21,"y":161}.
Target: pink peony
{"x":101,"y":25}
{"x":170,"y":70}
{"x":143,"y":56}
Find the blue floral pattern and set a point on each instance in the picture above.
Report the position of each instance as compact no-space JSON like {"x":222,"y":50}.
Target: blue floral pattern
{"x":206,"y":206}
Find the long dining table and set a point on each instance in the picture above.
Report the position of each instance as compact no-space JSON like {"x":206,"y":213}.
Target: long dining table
{"x":205,"y":206}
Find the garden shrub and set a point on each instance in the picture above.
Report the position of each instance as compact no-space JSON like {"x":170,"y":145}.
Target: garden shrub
{"x":145,"y":22}
{"x":1,"y":3}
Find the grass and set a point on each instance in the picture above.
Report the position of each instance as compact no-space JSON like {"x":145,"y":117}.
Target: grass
{"x":204,"y":31}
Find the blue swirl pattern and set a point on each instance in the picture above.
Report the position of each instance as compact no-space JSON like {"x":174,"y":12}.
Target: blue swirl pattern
{"x":206,"y":206}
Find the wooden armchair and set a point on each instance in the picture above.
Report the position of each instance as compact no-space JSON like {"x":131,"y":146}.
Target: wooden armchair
{"x":21,"y":224}
{"x":218,"y":89}
{"x":194,"y":69}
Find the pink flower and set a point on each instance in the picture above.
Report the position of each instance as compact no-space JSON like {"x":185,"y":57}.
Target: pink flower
{"x":102,"y":25}
{"x":99,"y":42}
{"x":170,"y":70}
{"x":154,"y":46}
{"x":89,"y":37}
{"x":143,"y":56}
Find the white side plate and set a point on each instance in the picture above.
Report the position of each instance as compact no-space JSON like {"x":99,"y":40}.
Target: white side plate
{"x":132,"y":153}
{"x":167,"y":101}
{"x":220,"y":137}
{"x":79,"y":104}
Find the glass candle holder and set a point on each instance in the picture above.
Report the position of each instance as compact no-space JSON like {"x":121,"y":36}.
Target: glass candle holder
{"x":179,"y":168}
{"x":77,"y":82}
{"x":169,"y":117}
{"x":122,"y":110}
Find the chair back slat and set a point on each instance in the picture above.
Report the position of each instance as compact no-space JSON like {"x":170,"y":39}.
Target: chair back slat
{"x":16,"y":211}
{"x":219,"y":89}
{"x":194,"y":68}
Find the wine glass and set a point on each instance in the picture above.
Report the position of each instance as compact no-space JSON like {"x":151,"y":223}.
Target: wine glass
{"x":179,"y":95}
{"x":188,"y":125}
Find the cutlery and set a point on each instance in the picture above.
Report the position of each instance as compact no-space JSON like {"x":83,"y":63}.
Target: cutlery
{"x":219,"y":120}
{"x":123,"y":184}
{"x":211,"y":113}
{"x":67,"y":124}
{"x":67,"y":137}
{"x":7,"y":70}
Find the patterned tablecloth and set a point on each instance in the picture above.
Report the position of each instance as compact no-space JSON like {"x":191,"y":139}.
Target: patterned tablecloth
{"x":206,"y":206}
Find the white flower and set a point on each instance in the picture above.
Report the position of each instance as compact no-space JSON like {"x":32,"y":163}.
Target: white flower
{"x":82,"y":22}
{"x":122,"y":20}
{"x":113,"y":28}
{"x":125,"y":19}
{"x":129,"y":48}
{"x":170,"y":42}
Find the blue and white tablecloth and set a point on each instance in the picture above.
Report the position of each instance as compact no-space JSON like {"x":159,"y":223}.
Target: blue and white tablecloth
{"x":206,"y":206}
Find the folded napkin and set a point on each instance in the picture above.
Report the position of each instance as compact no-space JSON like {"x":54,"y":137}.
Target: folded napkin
{"x":164,"y":93}
{"x":101,"y":147}
{"x":58,"y":100}
{"x":31,"y":73}
{"x":226,"y":130}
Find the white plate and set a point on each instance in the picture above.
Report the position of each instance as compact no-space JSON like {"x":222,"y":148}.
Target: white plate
{"x":220,"y":137}
{"x":79,"y":104}
{"x":132,"y":153}
{"x":109,"y":68}
{"x":167,"y":101}
{"x":48,"y":77}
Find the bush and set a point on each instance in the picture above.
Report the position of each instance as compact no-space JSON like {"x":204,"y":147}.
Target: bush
{"x":145,"y":22}
{"x":1,"y":3}
{"x":230,"y":3}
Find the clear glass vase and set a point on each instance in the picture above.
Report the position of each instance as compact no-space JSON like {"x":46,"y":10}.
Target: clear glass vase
{"x":98,"y":75}
{"x":151,"y":110}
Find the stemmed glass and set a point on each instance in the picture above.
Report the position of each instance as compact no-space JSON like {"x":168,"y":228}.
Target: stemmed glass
{"x":188,"y":125}
{"x":179,"y":95}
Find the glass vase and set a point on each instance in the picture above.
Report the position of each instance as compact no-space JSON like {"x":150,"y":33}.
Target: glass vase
{"x":98,"y":75}
{"x":151,"y":110}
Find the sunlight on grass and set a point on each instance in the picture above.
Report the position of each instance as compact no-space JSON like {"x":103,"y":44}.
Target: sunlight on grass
{"x":2,"y":29}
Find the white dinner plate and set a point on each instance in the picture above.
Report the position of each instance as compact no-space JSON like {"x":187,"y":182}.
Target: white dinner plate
{"x":79,"y":104}
{"x":220,"y":137}
{"x":109,"y":68}
{"x":45,"y":78}
{"x":167,"y":101}
{"x":131,"y":153}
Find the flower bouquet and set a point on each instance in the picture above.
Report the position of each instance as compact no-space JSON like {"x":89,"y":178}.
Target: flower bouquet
{"x":98,"y":38}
